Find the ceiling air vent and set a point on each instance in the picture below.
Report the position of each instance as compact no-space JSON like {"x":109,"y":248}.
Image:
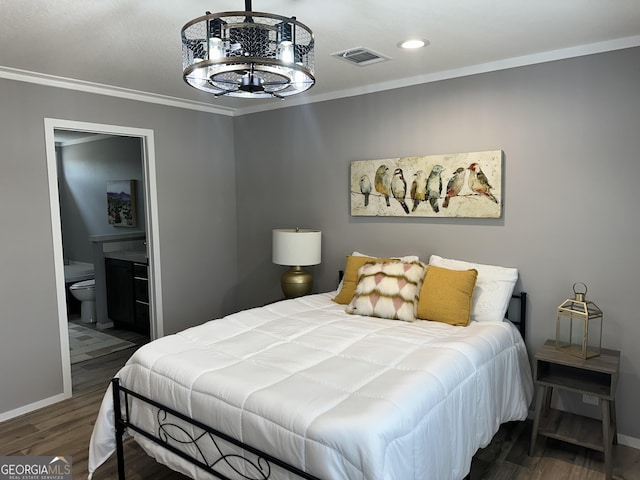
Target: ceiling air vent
{"x":360,"y":56}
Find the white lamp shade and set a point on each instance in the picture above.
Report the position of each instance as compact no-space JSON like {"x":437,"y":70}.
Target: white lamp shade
{"x":296,"y":247}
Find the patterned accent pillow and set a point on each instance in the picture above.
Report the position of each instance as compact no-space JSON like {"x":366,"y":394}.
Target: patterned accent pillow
{"x":388,"y":290}
{"x":350,"y":279}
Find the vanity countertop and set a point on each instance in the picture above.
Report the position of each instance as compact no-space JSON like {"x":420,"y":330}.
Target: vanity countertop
{"x":136,"y":257}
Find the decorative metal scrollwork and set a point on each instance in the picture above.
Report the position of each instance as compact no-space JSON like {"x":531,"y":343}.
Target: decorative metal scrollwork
{"x":259,"y":469}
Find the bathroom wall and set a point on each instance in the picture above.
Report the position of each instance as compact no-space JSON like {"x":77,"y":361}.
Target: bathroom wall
{"x":83,"y":171}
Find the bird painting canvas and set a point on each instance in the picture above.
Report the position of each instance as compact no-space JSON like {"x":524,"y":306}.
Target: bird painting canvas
{"x":450,"y":185}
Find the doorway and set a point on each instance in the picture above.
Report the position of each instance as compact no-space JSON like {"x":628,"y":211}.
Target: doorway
{"x":53,"y":126}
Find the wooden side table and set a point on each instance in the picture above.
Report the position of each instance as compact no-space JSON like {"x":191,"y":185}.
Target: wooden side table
{"x":597,"y":376}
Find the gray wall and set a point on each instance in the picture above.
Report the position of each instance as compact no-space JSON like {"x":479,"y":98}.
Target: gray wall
{"x":197,"y":223}
{"x":570,"y":132}
{"x":83,"y":172}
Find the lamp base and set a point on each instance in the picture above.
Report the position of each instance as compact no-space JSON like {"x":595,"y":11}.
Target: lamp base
{"x":296,"y":282}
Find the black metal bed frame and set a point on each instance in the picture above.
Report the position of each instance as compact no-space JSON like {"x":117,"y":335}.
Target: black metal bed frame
{"x":258,"y":467}
{"x":261,"y":464}
{"x":521,"y":322}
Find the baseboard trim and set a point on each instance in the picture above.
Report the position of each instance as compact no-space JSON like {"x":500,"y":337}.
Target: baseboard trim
{"x":33,"y":406}
{"x":629,"y":441}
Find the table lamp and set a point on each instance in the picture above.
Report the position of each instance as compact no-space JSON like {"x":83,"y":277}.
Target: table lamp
{"x":296,"y":248}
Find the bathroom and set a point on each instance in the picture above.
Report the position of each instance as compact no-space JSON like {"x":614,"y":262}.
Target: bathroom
{"x":88,"y":166}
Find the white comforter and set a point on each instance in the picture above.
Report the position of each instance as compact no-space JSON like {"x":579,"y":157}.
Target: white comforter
{"x":340,"y":396}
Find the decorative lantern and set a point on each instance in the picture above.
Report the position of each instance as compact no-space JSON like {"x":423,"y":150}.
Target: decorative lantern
{"x":579,"y":326}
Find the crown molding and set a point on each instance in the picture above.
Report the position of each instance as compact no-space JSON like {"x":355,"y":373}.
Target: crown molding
{"x":309,"y":98}
{"x":525,"y":60}
{"x":109,"y":90}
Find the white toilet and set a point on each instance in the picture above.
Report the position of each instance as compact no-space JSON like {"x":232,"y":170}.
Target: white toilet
{"x":86,"y":292}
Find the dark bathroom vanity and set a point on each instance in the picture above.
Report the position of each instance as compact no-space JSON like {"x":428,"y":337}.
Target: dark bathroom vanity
{"x":128,"y":294}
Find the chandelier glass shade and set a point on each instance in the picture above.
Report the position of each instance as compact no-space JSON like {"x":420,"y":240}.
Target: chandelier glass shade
{"x":248,"y":54}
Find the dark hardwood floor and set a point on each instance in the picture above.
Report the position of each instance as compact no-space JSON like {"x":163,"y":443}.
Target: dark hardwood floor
{"x":65,"y":429}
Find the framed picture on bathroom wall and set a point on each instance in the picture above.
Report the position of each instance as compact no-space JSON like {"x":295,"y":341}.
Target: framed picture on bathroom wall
{"x":121,"y":203}
{"x":453,"y":185}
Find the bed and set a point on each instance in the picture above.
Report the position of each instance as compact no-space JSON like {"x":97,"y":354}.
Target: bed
{"x":302,"y":389}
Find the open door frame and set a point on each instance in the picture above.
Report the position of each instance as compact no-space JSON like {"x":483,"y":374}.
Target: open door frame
{"x":151,"y":216}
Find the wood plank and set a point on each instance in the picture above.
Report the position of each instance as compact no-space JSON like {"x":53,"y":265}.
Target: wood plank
{"x":607,"y":362}
{"x":569,"y":427}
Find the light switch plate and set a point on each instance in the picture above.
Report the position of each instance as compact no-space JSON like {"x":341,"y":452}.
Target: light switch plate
{"x":590,"y":399}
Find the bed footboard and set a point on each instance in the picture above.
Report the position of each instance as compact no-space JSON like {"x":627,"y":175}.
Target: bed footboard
{"x":172,"y":435}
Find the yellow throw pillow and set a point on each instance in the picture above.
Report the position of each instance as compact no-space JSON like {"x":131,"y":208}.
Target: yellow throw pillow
{"x":350,"y":278}
{"x":446,"y":295}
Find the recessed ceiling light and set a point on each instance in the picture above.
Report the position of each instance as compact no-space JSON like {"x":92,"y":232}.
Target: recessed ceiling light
{"x":413,"y":43}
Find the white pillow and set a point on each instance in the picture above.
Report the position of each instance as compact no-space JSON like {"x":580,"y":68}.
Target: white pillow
{"x":406,"y":259}
{"x":493,"y":290}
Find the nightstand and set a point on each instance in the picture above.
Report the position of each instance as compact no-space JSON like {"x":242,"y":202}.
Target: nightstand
{"x":598,"y":377}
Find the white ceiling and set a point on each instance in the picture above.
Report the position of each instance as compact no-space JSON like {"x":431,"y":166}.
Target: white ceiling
{"x":134,"y":45}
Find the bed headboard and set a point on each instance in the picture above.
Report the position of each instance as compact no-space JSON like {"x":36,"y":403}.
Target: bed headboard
{"x":518,"y":304}
{"x":516,"y":313}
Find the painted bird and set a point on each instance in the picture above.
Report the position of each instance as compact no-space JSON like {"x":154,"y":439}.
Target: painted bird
{"x":399,"y":188}
{"x":454,"y":186}
{"x":382,"y":182}
{"x":434,"y":187}
{"x":365,"y":188}
{"x":479,"y":183}
{"x":418,"y":188}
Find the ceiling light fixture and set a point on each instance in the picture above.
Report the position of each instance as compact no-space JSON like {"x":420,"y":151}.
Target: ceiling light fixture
{"x":248,"y":54}
{"x":413,"y":43}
